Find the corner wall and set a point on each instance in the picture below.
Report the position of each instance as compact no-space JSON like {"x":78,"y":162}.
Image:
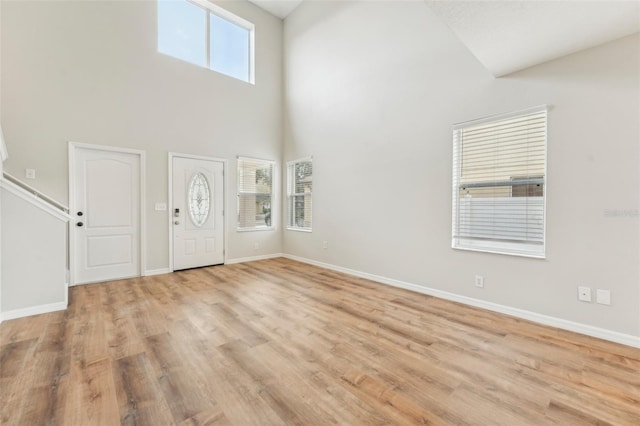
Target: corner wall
{"x":372,"y":90}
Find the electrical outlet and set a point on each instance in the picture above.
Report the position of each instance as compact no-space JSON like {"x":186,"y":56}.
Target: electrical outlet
{"x":479,"y":281}
{"x":256,"y":246}
{"x":30,"y":173}
{"x":584,"y":294}
{"x":325,"y":245}
{"x":603,"y":297}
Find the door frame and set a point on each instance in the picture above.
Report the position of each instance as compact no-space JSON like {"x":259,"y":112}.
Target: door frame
{"x":224,"y":162}
{"x":142,"y":240}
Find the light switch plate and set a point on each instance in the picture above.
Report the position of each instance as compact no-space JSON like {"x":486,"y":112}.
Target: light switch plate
{"x":161,"y":207}
{"x":603,"y":297}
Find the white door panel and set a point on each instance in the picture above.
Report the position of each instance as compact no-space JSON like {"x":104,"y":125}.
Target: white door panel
{"x":106,"y":209}
{"x":198,"y":212}
{"x":108,"y":250}
{"x":111,"y":200}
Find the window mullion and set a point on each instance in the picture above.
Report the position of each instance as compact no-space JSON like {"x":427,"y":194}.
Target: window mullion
{"x":207,"y":41}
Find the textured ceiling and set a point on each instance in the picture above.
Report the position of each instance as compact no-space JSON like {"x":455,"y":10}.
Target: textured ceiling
{"x":507,"y":36}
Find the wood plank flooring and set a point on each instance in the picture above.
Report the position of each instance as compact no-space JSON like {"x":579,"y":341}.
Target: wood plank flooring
{"x":279,"y":342}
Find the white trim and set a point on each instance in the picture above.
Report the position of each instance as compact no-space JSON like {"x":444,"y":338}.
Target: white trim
{"x":142,"y":246}
{"x":501,"y":116}
{"x":289,"y":193}
{"x":236,"y":20}
{"x":4,"y":154}
{"x":522,"y":249}
{"x":254,"y":258}
{"x":263,"y":160}
{"x":224,"y":14}
{"x":152,"y":272}
{"x":33,"y":310}
{"x":33,"y":200}
{"x":290,"y":228}
{"x":589,"y":330}
{"x":224,"y":162}
{"x":301,"y":159}
{"x":507,"y":253}
{"x":273,"y":194}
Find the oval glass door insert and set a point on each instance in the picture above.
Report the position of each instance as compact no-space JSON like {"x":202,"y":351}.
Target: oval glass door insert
{"x":199,"y":199}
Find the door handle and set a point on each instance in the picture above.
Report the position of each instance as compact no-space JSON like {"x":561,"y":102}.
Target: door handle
{"x":79,"y":224}
{"x":79,"y":213}
{"x":177,"y":222}
{"x":176,"y":213}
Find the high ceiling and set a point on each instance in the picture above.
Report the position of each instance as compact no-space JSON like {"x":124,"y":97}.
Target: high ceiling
{"x":510,"y":35}
{"x":507,"y":36}
{"x":279,"y":8}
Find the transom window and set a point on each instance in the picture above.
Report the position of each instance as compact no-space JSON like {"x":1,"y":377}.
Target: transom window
{"x":299,"y":194}
{"x":204,"y":34}
{"x":499,"y":180}
{"x":255,"y":194}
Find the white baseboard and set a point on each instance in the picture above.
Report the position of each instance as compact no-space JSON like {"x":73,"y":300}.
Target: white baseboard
{"x":151,"y":272}
{"x":253,"y":258}
{"x":589,"y":330}
{"x":33,"y":310}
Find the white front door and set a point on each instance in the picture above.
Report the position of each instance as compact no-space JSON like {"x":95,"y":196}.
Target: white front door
{"x":105,"y":203}
{"x":197,"y":212}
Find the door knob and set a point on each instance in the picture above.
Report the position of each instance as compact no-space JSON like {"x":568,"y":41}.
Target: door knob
{"x":79,"y":224}
{"x":177,"y":222}
{"x":79,"y":213}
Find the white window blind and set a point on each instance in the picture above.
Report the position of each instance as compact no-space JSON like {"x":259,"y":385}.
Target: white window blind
{"x":299,"y":194}
{"x":499,"y":183}
{"x":255,"y":185}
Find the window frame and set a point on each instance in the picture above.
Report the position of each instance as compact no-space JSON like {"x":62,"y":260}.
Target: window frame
{"x":291,"y":165}
{"x":272,"y":195}
{"x":229,"y":17}
{"x":498,"y":246}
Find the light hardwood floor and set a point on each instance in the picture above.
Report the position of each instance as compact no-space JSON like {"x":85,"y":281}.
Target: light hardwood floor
{"x":280,"y":342}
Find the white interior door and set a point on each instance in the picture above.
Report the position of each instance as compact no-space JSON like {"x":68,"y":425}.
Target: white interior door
{"x":197,"y":212}
{"x":106,"y":212}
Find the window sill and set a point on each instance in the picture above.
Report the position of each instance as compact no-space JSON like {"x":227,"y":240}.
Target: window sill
{"x":299,"y":229}
{"x":272,"y":228}
{"x":497,"y":251}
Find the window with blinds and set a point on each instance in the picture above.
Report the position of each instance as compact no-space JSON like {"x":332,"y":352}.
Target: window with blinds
{"x":255,"y":185}
{"x":299,"y":193}
{"x":499,"y":179}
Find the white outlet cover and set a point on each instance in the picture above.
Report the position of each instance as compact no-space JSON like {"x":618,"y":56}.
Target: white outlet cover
{"x":584,"y":294}
{"x":161,"y":207}
{"x":479,"y":281}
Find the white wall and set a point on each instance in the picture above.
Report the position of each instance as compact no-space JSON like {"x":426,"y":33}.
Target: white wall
{"x":372,"y":90}
{"x":34,"y":257}
{"x":88,"y":71}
